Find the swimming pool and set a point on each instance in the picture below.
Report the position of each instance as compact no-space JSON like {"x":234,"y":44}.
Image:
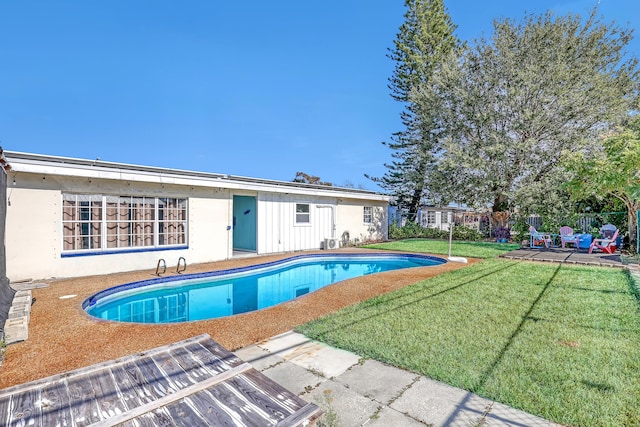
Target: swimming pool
{"x":224,"y":293}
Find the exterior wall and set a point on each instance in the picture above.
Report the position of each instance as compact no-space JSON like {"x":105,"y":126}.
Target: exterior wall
{"x":32,"y":241}
{"x":34,"y":228}
{"x":277,"y":230}
{"x":440,"y":214}
{"x":351,"y":226}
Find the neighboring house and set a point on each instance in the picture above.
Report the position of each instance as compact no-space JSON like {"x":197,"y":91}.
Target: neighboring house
{"x":436,"y":217}
{"x":440,"y":217}
{"x":72,"y":217}
{"x":428,"y":216}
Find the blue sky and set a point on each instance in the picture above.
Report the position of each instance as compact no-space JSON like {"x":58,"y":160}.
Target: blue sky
{"x":256,"y":88}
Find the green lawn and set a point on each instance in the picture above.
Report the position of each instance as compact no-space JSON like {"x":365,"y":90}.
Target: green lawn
{"x":465,"y":249}
{"x":561,"y":342}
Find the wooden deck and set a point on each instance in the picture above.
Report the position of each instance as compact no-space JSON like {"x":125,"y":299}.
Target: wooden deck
{"x":195,"y":382}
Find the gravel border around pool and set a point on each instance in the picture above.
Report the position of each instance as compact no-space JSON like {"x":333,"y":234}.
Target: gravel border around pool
{"x":63,"y":337}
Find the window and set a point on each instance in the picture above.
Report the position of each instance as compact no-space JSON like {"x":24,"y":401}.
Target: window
{"x":172,"y":217}
{"x":130,"y":221}
{"x":367,"y":215}
{"x":98,"y":222}
{"x":82,"y":221}
{"x":303,"y":215}
{"x":444,"y":217}
{"x":431,"y":217}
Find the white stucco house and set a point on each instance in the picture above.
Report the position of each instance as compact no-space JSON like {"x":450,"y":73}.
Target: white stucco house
{"x":70,"y":217}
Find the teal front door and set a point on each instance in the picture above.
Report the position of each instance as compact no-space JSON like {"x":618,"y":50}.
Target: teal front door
{"x":244,"y":223}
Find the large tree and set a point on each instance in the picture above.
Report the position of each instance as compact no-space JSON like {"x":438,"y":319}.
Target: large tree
{"x":305,"y":178}
{"x":425,"y":39}
{"x":613,"y":174}
{"x":516,"y":102}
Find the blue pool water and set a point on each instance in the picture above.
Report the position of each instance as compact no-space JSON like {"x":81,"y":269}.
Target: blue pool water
{"x":225,"y":293}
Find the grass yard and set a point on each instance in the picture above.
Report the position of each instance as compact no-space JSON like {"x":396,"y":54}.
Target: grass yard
{"x":558,"y":341}
{"x":465,"y":249}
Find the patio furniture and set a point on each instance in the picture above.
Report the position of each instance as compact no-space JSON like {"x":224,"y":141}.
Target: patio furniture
{"x":567,"y":236}
{"x":605,"y":244}
{"x":537,"y":239}
{"x":608,"y":230}
{"x":584,"y":240}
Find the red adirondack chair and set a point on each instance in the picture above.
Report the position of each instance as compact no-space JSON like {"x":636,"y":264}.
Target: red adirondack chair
{"x":605,"y":244}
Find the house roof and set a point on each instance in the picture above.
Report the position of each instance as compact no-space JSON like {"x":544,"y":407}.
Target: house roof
{"x":99,"y":169}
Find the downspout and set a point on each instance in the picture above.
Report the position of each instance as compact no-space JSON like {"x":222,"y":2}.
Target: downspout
{"x":6,"y":291}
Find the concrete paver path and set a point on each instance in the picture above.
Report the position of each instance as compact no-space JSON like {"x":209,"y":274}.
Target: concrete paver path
{"x":369,"y":393}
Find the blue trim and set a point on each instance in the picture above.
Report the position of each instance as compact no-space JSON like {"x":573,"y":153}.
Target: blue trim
{"x":133,"y":285}
{"x":123,"y":251}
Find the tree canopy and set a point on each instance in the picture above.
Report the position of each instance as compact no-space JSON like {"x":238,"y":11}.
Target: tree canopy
{"x":515,"y":103}
{"x":614,"y":173}
{"x":424,"y":41}
{"x":305,"y":178}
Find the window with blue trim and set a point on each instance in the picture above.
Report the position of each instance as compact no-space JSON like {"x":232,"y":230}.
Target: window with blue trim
{"x":94,"y":222}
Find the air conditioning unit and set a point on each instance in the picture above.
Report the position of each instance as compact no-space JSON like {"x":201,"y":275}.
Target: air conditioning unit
{"x":332,"y":243}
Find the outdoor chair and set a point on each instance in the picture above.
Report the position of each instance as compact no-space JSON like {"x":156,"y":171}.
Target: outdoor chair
{"x":567,"y":236}
{"x":537,"y":239}
{"x":607,"y":230}
{"x":605,"y":244}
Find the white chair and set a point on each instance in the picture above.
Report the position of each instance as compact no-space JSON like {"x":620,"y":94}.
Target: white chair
{"x":567,"y":236}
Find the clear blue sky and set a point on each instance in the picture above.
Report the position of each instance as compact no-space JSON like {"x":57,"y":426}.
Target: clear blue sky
{"x":255,"y":88}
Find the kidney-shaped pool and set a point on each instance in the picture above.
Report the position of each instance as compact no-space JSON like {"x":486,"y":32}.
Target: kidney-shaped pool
{"x":227,"y":292}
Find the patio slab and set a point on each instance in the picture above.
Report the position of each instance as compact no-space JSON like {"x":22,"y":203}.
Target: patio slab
{"x":378,"y":381}
{"x":300,"y":350}
{"x":370,"y":393}
{"x":566,"y":255}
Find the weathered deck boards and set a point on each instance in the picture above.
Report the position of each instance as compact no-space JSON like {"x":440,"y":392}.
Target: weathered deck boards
{"x":188,"y":383}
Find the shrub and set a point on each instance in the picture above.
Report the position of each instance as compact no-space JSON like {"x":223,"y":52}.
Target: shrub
{"x":460,"y":232}
{"x":411,"y":230}
{"x":502,"y":233}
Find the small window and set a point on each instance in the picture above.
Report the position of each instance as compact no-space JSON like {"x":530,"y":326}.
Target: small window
{"x":302,"y":213}
{"x":431,"y":217}
{"x":367,"y":215}
{"x":444,"y":217}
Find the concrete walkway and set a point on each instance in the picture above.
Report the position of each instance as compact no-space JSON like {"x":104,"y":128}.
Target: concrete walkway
{"x":365,"y":392}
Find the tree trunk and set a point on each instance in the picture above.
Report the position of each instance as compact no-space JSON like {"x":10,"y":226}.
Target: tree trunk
{"x":500,"y":204}
{"x":414,"y":205}
{"x":632,"y":219}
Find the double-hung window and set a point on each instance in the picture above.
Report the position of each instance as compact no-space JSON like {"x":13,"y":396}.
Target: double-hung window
{"x":303,"y":213}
